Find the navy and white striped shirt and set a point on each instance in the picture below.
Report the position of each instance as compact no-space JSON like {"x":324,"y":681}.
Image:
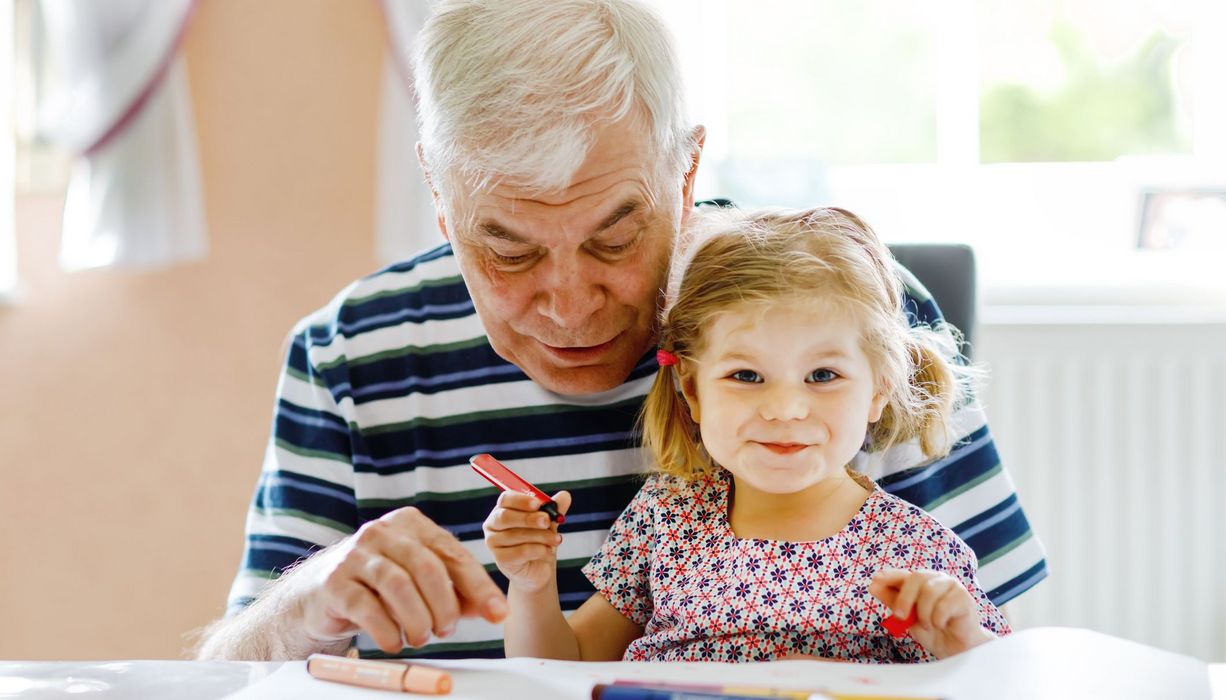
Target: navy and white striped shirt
{"x":388,"y":390}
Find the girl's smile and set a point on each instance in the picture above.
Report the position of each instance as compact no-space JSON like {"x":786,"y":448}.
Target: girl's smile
{"x":784,"y":448}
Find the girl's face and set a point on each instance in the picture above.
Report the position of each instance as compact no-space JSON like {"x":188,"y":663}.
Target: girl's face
{"x":783,"y":395}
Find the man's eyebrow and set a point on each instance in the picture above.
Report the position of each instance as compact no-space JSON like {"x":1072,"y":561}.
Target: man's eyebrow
{"x":493,"y":230}
{"x":496,"y":230}
{"x":620,"y":213}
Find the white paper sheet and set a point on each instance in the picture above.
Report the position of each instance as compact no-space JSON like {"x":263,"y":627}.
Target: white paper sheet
{"x":1038,"y":663}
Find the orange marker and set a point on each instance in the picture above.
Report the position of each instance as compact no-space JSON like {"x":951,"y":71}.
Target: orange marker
{"x":385,"y":675}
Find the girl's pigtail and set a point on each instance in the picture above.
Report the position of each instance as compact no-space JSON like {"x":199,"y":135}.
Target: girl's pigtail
{"x":936,"y":388}
{"x":924,"y":408}
{"x":668,"y":430}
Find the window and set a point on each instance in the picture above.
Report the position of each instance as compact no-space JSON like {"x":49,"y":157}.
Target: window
{"x":1034,"y":131}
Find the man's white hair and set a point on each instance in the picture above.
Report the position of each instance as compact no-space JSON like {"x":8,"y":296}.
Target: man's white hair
{"x":514,"y":90}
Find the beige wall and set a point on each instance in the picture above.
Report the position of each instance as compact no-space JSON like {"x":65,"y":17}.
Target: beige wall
{"x":135,"y":405}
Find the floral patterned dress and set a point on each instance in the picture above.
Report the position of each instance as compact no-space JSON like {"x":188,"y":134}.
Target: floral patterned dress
{"x":672,"y":564}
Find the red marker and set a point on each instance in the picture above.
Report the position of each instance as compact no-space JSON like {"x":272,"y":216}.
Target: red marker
{"x":497,"y":474}
{"x":896,"y":626}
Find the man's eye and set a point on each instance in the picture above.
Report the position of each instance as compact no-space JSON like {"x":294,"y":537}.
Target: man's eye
{"x":510,"y":259}
{"x":617,"y":248}
{"x":620,"y":247}
{"x":822,"y":376}
{"x":746,"y":375}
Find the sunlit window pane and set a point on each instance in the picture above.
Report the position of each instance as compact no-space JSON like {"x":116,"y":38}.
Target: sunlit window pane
{"x":1084,"y":80}
{"x":836,"y":82}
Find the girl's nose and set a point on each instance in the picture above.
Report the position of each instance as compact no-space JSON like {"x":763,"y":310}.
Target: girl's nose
{"x":785,"y":403}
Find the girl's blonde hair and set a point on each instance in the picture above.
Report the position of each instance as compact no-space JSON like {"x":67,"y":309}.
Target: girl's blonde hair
{"x":728,"y":257}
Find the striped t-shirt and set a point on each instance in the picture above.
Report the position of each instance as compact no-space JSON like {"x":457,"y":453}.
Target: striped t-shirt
{"x":388,"y":390}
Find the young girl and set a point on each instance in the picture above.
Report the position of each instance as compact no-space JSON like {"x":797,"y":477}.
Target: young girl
{"x":784,"y":352}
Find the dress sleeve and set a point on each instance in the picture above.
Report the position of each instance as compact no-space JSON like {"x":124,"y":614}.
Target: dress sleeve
{"x":963,"y":566}
{"x":304,"y":499}
{"x":947,"y":553}
{"x":621,"y":570}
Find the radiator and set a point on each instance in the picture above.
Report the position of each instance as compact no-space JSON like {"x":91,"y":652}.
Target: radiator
{"x":1115,"y":434}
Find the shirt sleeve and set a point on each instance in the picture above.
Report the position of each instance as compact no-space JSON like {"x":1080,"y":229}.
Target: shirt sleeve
{"x":621,"y":570}
{"x":304,"y":498}
{"x":969,"y":490}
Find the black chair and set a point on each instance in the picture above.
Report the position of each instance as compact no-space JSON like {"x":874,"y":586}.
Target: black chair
{"x":948,"y":271}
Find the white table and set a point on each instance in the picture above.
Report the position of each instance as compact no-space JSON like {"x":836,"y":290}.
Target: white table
{"x":1029,"y":664}
{"x":90,"y":680}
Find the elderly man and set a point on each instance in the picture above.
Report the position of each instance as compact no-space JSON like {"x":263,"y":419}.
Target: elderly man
{"x":555,"y":141}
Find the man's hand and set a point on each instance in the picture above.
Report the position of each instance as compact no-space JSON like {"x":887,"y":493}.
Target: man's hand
{"x":523,"y":540}
{"x":946,"y":616}
{"x":400,"y":572}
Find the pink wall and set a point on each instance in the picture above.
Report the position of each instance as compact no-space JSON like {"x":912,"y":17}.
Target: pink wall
{"x":136,"y":405}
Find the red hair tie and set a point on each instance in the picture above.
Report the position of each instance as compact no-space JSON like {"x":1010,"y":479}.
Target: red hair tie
{"x":665,"y":358}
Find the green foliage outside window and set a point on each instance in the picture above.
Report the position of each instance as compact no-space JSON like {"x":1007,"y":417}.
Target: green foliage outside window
{"x":1100,"y":112}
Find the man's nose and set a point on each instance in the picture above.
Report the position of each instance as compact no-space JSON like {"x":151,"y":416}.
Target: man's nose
{"x":785,"y":402}
{"x":573,"y":292}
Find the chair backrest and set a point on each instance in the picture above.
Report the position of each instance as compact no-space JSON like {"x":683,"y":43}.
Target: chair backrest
{"x":948,"y":271}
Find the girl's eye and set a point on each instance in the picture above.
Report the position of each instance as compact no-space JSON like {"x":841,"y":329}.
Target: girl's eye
{"x":822,"y":376}
{"x":746,"y":375}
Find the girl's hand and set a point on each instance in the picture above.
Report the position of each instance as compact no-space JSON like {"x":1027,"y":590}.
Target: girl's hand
{"x":523,"y":540}
{"x":947,"y":617}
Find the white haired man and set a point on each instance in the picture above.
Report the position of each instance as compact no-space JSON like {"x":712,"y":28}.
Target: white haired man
{"x":556,"y":143}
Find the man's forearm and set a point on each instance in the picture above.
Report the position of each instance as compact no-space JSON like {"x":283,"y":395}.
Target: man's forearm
{"x":272,"y":628}
{"x":536,"y":626}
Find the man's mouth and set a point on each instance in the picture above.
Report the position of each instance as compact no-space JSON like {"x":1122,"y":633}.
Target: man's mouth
{"x":580,"y":354}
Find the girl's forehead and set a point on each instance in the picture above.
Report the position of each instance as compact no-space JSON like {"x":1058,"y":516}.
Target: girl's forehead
{"x":787,"y":324}
{"x":746,"y":316}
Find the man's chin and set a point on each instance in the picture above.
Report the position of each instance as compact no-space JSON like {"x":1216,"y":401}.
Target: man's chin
{"x":579,"y":381}
{"x":576,"y":373}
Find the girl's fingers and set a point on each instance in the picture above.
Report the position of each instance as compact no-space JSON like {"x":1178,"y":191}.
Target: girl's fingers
{"x":509,"y":518}
{"x":515,"y":557}
{"x":885,"y":584}
{"x":562,"y":498}
{"x":934,"y":586}
{"x":522,"y":536}
{"x":908,"y":594}
{"x":953,"y":605}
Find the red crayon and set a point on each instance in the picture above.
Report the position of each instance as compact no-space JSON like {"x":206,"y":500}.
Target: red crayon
{"x":497,"y":474}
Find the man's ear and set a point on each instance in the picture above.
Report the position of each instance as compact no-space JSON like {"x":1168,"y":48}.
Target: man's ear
{"x":687,"y":192}
{"x":689,"y":390}
{"x":438,"y":204}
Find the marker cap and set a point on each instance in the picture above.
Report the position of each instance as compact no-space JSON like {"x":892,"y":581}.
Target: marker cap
{"x":423,"y":679}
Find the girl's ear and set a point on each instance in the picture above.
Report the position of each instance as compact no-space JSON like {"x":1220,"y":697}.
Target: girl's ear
{"x":877,"y":407}
{"x":689,"y":389}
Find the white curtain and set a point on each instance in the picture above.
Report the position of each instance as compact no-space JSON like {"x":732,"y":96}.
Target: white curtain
{"x":116,"y":95}
{"x":404,"y":216}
